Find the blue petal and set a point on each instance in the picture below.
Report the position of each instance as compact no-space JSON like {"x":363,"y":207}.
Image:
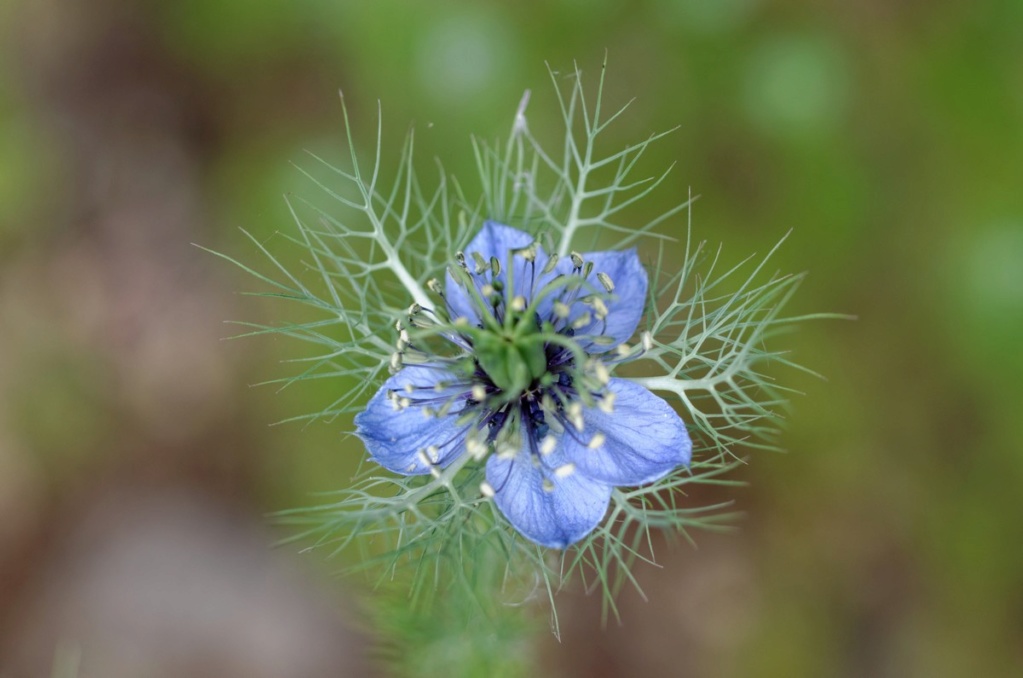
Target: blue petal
{"x":644,"y":439}
{"x":557,"y":518}
{"x":394,"y":438}
{"x":493,"y":240}
{"x":626,"y":303}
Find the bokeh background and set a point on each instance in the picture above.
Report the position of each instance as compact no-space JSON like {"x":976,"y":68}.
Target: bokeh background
{"x":137,"y":465}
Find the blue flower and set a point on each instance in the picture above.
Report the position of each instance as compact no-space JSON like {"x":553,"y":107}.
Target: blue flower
{"x":513,"y":367}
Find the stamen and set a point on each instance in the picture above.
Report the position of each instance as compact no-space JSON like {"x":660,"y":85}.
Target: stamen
{"x":423,"y":459}
{"x":601,"y":372}
{"x":548,"y":486}
{"x":495,"y":266}
{"x":433,"y":453}
{"x":600,"y":308}
{"x":623,"y":350}
{"x":565,"y":471}
{"x":574,"y":413}
{"x":577,"y":259}
{"x":395,"y":362}
{"x":481,"y":263}
{"x":547,"y":445}
{"x":607,"y":403}
{"x":519,"y":303}
{"x":552,"y":261}
{"x":435,"y":286}
{"x":486,"y":489}
{"x":582,"y":321}
{"x":597,"y":440}
{"x":606,"y":281}
{"x":479,"y":392}
{"x":476,"y":448}
{"x":460,"y":258}
{"x":561,"y":309}
{"x":648,"y":341}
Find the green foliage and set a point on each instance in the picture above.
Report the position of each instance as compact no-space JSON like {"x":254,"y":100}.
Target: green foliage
{"x":710,"y":331}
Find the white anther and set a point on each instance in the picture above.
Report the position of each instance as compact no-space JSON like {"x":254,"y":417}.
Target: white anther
{"x":395,"y":362}
{"x":435,"y":287}
{"x":423,"y":459}
{"x":487,"y":290}
{"x":506,"y":451}
{"x":528,"y":253}
{"x":607,"y":403}
{"x":601,"y":372}
{"x":574,"y":412}
{"x":409,"y":388}
{"x":476,"y":448}
{"x":577,"y":259}
{"x":411,"y":468}
{"x":404,"y":336}
{"x":561,"y":309}
{"x":597,"y":440}
{"x":552,"y":261}
{"x":404,"y":403}
{"x":518,"y":303}
{"x":606,"y":281}
{"x":565,"y":471}
{"x":414,"y":309}
{"x":433,"y":452}
{"x":648,"y":341}
{"x":479,"y":392}
{"x":548,"y":486}
{"x":486,"y":489}
{"x":623,"y":350}
{"x":547,"y":445}
{"x":600,"y":308}
{"x":582,"y":321}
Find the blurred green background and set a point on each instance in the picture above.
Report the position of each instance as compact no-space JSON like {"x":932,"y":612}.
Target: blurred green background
{"x":137,"y":466}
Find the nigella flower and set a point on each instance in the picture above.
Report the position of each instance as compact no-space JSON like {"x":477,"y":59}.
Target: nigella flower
{"x":513,"y":366}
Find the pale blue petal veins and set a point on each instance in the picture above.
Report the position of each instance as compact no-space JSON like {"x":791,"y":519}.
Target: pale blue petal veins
{"x":398,"y":439}
{"x":557,"y":518}
{"x":493,"y":240}
{"x":644,"y":438}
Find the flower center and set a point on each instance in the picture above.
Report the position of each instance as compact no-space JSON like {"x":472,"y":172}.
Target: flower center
{"x":518,"y":346}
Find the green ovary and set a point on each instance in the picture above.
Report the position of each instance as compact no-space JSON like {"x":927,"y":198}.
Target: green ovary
{"x":512,"y":364}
